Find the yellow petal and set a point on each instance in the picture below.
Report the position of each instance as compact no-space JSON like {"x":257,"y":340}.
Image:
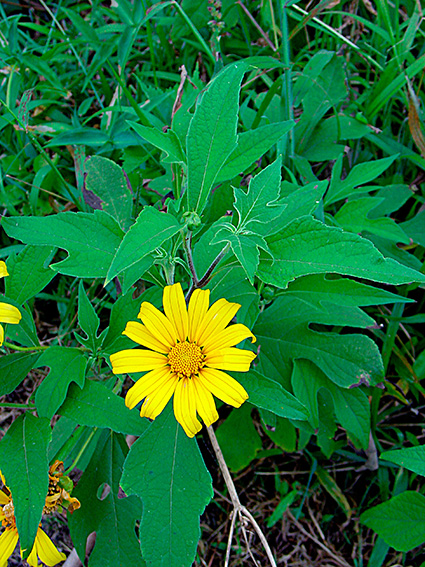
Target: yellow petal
{"x":228,"y":337}
{"x":217,"y":318}
{"x":9,"y":314}
{"x":2,"y":478}
{"x":8,"y":541}
{"x":198,"y":307}
{"x":32,"y":558}
{"x":184,"y":404}
{"x":136,"y":360}
{"x":3,"y":270}
{"x":230,"y":359}
{"x":158,"y":324}
{"x":223,"y":386}
{"x":147,"y":385}
{"x":140,"y":334}
{"x":155,"y":403}
{"x":175,"y":309}
{"x":4,"y":499}
{"x":205,"y":404}
{"x":1,"y":341}
{"x":46,"y":549}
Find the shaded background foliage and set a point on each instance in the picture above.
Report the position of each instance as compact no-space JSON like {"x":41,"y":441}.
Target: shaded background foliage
{"x":101,"y":81}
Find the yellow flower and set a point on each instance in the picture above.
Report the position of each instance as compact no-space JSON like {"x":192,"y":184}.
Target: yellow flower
{"x":8,"y":313}
{"x":188,"y":350}
{"x":44,"y":549}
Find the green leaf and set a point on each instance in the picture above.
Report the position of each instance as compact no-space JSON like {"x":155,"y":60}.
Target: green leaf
{"x":28,"y":274}
{"x":400,"y":522}
{"x":125,"y":309}
{"x":212,"y":134}
{"x":259,"y":215}
{"x":322,"y":143}
{"x":415,"y":228}
{"x":25,"y":332}
{"x":167,"y":141}
{"x":283,"y":434}
{"x":338,"y":299}
{"x":96,"y":406}
{"x":80,"y":136}
{"x":150,"y":230}
{"x":321,"y":86}
{"x":14,"y":368}
{"x":354,"y":217}
{"x":165,"y":468}
{"x":323,"y":289}
{"x":332,"y":488}
{"x":269,"y":395}
{"x":106,"y":180}
{"x":244,"y":246}
{"x":251,"y":146}
{"x":90,"y":239}
{"x":66,"y":365}
{"x":281,"y":508}
{"x":258,"y":208}
{"x":88,"y":320}
{"x":301,"y":201}
{"x":105,"y":511}
{"x":230,"y":282}
{"x":351,"y":406}
{"x":23,"y":461}
{"x":360,"y":174}
{"x":412,"y":458}
{"x":307,"y":246}
{"x":238,"y":438}
{"x":283,"y":332}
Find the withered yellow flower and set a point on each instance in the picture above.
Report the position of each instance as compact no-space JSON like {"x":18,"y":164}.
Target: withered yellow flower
{"x":186,"y":351}
{"x":43,"y":549}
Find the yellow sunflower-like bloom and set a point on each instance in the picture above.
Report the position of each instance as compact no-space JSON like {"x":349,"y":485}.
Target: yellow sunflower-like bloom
{"x":8,"y":313}
{"x":186,"y":351}
{"x":44,"y":549}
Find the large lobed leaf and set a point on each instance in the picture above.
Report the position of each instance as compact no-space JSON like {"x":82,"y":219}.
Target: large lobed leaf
{"x":283,"y":333}
{"x":104,"y":511}
{"x":27,"y":272}
{"x":23,"y":461}
{"x":96,"y":406}
{"x":66,"y":365}
{"x":90,"y":239}
{"x":307,"y":246}
{"x":166,"y":470}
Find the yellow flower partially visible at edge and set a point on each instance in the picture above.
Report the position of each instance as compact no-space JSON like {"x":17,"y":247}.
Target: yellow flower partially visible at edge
{"x":44,"y":549}
{"x":189,"y":347}
{"x":8,"y":313}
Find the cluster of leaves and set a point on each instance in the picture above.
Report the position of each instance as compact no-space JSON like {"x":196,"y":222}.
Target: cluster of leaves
{"x":268,"y":178}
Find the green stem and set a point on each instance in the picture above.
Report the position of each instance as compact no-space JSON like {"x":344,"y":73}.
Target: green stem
{"x":83,"y":448}
{"x":23,"y":349}
{"x":36,"y":144}
{"x":187,"y":241}
{"x":195,"y":31}
{"x":206,"y":277}
{"x":286,"y":106}
{"x":22,"y":406}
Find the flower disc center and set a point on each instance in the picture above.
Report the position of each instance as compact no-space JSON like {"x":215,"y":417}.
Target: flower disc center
{"x":186,"y":359}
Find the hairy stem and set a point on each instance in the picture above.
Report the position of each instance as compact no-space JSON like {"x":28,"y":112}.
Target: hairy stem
{"x":244,"y":514}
